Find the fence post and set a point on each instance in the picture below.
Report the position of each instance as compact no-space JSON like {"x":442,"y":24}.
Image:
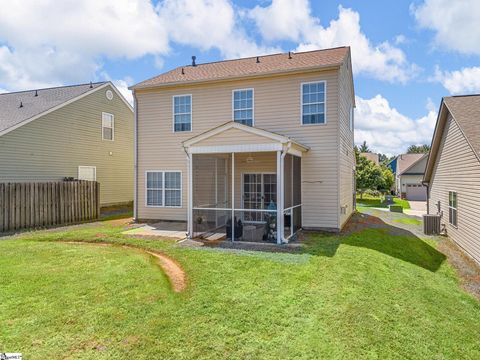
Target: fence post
{"x":97,"y":199}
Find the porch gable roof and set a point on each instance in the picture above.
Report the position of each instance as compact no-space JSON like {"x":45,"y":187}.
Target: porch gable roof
{"x":248,"y":130}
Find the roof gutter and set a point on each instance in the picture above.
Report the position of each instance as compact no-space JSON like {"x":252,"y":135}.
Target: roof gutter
{"x":232,"y":78}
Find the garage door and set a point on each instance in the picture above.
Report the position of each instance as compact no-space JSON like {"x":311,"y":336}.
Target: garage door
{"x":416,"y":192}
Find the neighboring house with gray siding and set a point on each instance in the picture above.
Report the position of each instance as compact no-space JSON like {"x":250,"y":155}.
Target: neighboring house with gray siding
{"x":408,"y":171}
{"x":453,"y":171}
{"x":266,"y":141}
{"x":81,"y":131}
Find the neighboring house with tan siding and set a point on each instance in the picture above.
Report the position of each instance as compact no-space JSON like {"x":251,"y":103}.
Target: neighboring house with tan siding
{"x":81,"y":131}
{"x":373,"y":157}
{"x":453,"y":171}
{"x":266,"y":141}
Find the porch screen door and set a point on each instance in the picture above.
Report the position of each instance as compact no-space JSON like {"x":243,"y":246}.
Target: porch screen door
{"x":259,"y":190}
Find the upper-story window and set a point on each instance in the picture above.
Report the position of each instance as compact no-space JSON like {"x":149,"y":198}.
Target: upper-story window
{"x":182,"y":113}
{"x":108,"y":123}
{"x":243,"y":106}
{"x":313,"y":103}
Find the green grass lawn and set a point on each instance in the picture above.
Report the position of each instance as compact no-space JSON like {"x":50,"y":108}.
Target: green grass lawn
{"x":371,"y":201}
{"x":409,"y":221}
{"x":366,"y":295}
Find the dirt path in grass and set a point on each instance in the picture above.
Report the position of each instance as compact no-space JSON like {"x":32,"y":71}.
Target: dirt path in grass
{"x":172,"y":269}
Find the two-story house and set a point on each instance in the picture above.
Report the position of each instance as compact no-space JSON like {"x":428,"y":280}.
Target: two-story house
{"x":266,"y":141}
{"x":81,"y":131}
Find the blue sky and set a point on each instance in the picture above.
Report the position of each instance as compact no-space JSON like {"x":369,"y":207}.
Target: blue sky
{"x":406,"y":55}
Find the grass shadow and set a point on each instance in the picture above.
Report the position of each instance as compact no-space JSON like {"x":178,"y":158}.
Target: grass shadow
{"x":373,"y":233}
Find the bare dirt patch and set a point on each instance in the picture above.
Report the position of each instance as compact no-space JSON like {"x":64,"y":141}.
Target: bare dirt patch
{"x":172,"y":269}
{"x":467,"y":269}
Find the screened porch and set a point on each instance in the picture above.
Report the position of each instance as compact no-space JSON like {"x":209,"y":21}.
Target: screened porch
{"x":251,"y":188}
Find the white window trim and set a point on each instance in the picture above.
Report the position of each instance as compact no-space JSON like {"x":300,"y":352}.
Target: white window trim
{"x":173,"y":113}
{"x":453,"y":208}
{"x":253,"y":104}
{"x":324,"y":104}
{"x":113,"y":126}
{"x":163,"y":189}
{"x":89,"y":167}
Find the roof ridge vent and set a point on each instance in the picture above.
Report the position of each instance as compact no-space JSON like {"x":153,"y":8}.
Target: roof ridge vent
{"x":193,"y":60}
{"x":21,"y":104}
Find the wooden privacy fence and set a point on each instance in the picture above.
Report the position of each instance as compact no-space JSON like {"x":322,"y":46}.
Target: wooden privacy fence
{"x":43,"y":204}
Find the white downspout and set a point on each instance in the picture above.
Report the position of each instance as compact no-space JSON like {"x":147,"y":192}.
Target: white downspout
{"x":135,"y":156}
{"x":190,"y":195}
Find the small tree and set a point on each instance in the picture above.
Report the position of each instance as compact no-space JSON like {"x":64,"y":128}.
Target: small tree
{"x":387,"y":179}
{"x":364,"y":148}
{"x":418,"y":149}
{"x":368,"y":175}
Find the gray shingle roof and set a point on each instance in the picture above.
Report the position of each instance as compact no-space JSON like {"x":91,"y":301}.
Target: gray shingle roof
{"x":11,"y":114}
{"x":249,"y":67}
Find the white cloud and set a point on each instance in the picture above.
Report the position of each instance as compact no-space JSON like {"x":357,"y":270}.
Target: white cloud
{"x":463,"y":81}
{"x":72,"y":44}
{"x":281,"y":20}
{"x":68,"y":45}
{"x":122,"y":86}
{"x":284,"y":19}
{"x":388,"y":131}
{"x":207,"y":24}
{"x":455,"y":23}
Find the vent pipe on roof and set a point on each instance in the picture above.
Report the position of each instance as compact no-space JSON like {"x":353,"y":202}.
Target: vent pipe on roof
{"x":21,"y":104}
{"x":183,"y":71}
{"x":193,"y":60}
{"x":36,"y":92}
{"x":91,"y":85}
{"x":258,"y":59}
{"x":289,"y":54}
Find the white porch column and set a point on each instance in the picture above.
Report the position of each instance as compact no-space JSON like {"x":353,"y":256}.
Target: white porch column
{"x":190,"y":196}
{"x":280,"y":204}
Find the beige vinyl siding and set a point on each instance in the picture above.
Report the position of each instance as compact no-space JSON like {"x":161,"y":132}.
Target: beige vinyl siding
{"x":457,"y":168}
{"x":277,"y":109}
{"x":53,"y":146}
{"x":345,"y":152}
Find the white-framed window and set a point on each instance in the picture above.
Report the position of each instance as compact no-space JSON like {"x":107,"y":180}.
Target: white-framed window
{"x":182,"y":113}
{"x":313,"y":102}
{"x":452,"y":208}
{"x":242,"y":106}
{"x":108,"y":126}
{"x":87,"y":173}
{"x":163,"y":188}
{"x":351,"y":117}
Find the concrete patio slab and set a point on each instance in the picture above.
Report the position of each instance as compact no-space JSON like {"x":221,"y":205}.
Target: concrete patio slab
{"x":175,"y":230}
